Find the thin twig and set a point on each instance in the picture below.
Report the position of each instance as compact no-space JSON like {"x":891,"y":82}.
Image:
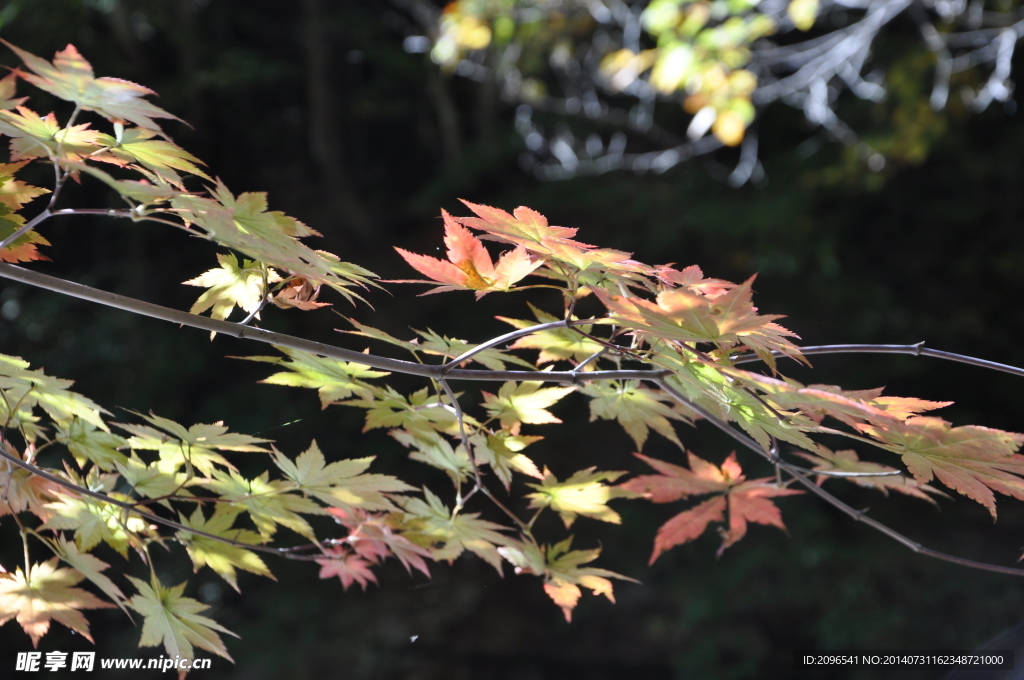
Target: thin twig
{"x":502,"y":339}
{"x":915,"y":350}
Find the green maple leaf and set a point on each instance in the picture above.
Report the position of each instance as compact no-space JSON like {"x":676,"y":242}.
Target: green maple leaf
{"x":230,"y":285}
{"x":555,"y":344}
{"x":35,"y":136}
{"x":87,"y":443}
{"x":431,"y":448}
{"x":14,"y":193}
{"x":421,"y":412}
{"x":581,"y":494}
{"x":31,"y":388}
{"x":525,"y":402}
{"x":88,"y":566}
{"x":342,"y":483}
{"x":161,"y":157}
{"x":502,"y":451}
{"x":222,"y":557}
{"x":333,"y":379}
{"x":635,"y":407}
{"x":245,"y":225}
{"x":152,"y":191}
{"x":268,"y":502}
{"x":71,"y":78}
{"x":93,"y":521}
{"x":195,"y":446}
{"x":174,"y":621}
{"x":429,"y":522}
{"x":562,"y":571}
{"x":154,"y":480}
{"x":450,"y":348}
{"x":46,"y":594}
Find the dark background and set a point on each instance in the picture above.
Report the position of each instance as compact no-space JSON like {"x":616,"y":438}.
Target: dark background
{"x":316,"y":102}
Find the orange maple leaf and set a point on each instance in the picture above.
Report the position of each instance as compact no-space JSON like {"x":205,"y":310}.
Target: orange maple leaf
{"x":469,"y":265}
{"x":747,"y":501}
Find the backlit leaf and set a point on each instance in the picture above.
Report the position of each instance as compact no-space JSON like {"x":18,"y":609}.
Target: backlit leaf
{"x":46,"y":594}
{"x":173,"y":620}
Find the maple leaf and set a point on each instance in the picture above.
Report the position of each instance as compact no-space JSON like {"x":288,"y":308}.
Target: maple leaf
{"x":431,"y":448}
{"x":8,"y":87}
{"x":428,"y":522}
{"x":847,"y":461}
{"x":94,"y":521}
{"x":88,"y":566}
{"x":144,"y":191}
{"x":970,"y":459}
{"x":420,"y":412}
{"x":525,"y":402}
{"x":154,"y":480}
{"x":692,"y":277}
{"x":529,"y":229}
{"x":244,"y":224}
{"x":636,"y":408}
{"x":71,"y":78}
{"x":173,"y":620}
{"x":348,"y":567}
{"x":14,"y":193}
{"x":29,"y":388}
{"x":555,"y":344}
{"x":432,"y":343}
{"x":23,"y":248}
{"x":688,"y":525}
{"x":23,"y":490}
{"x":268,"y":502}
{"x":562,"y":571}
{"x":676,"y":482}
{"x":373,"y":539}
{"x":88,"y":443}
{"x":35,"y":136}
{"x":230,"y":285}
{"x":46,"y":594}
{"x":333,"y":379}
{"x":502,"y":451}
{"x":161,"y":157}
{"x":469,"y":265}
{"x":191,"y":447}
{"x":747,"y":501}
{"x":298,"y":293}
{"x":581,"y":494}
{"x":675,"y":315}
{"x":342,"y":483}
{"x":222,"y":557}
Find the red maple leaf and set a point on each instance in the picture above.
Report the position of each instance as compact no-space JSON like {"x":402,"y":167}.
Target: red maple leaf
{"x":747,"y":501}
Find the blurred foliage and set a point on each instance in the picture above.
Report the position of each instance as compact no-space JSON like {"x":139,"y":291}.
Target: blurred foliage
{"x":927,"y":246}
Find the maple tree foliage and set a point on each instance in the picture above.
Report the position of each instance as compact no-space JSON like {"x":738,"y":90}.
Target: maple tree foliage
{"x":647,"y":346}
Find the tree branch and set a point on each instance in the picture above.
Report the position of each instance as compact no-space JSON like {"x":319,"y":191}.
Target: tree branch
{"x":205,"y":323}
